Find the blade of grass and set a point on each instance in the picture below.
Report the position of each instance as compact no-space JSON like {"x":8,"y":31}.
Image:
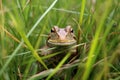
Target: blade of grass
{"x":1,"y":29}
{"x":103,"y":41}
{"x":80,"y":23}
{"x":12,"y":36}
{"x":82,"y":11}
{"x":41,"y":75}
{"x":94,"y":44}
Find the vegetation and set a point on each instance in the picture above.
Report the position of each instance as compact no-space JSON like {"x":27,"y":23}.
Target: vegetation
{"x":25,"y":24}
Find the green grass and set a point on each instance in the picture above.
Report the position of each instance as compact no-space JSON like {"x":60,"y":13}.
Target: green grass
{"x":25,"y":24}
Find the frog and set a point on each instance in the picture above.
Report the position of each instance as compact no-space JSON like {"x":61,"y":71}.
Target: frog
{"x":61,"y":39}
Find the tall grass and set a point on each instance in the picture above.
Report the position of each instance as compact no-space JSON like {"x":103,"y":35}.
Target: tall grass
{"x":25,"y":24}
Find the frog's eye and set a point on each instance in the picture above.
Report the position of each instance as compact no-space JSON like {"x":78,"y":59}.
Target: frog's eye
{"x":71,"y":30}
{"x":52,"y":30}
{"x":55,"y":29}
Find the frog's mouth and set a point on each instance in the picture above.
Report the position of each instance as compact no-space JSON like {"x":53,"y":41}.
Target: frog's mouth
{"x":61,"y":43}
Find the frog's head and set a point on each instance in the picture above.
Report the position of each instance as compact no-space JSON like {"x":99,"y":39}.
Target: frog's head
{"x":61,"y":37}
